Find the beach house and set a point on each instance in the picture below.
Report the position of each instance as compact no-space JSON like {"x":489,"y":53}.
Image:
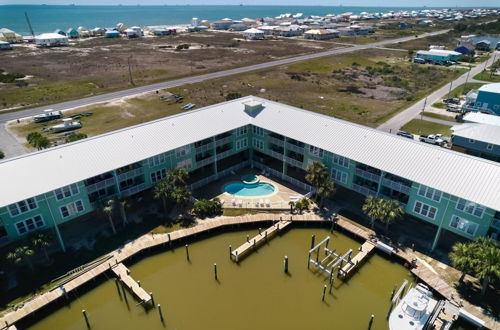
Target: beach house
{"x":51,"y":40}
{"x":253,"y":34}
{"x":485,"y":99}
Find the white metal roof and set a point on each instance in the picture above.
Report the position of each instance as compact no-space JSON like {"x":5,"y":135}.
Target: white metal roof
{"x":479,"y":132}
{"x":491,"y":88}
{"x":444,"y":52}
{"x":465,"y":176}
{"x":45,"y":36}
{"x":481,"y":118}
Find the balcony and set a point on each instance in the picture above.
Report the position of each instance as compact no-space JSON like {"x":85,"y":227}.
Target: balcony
{"x":205,"y":161}
{"x":496,"y":223}
{"x":100,"y":185}
{"x":401,"y":203}
{"x":205,"y":147}
{"x":276,"y":154}
{"x":130,"y":174}
{"x":276,"y":141}
{"x":224,"y":154}
{"x":364,"y":190}
{"x":225,"y":140}
{"x":295,"y":148}
{"x":396,"y":186}
{"x":293,"y":162}
{"x":367,"y":175}
{"x":133,"y":190}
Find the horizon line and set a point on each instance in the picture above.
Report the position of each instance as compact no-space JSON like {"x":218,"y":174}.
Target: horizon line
{"x":241,"y":5}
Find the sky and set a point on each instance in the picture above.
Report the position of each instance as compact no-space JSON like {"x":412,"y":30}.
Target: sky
{"x":382,"y":3}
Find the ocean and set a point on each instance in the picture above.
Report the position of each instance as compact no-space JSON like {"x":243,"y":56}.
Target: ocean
{"x":46,"y":18}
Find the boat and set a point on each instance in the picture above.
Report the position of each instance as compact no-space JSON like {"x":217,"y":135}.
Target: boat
{"x":67,"y":125}
{"x":47,"y":115}
{"x":414,"y":310}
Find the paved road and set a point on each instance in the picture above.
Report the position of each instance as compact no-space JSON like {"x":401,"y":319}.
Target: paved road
{"x":189,"y":80}
{"x":396,"y":122}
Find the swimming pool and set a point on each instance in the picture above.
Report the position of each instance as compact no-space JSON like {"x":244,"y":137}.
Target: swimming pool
{"x":259,"y":189}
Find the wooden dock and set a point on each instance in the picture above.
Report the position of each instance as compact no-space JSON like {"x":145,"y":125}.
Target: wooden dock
{"x":363,"y":253}
{"x":123,"y":273}
{"x":254,"y":242}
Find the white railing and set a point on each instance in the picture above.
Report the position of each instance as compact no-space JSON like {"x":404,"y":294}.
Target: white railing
{"x":221,"y":174}
{"x":364,"y":190}
{"x":224,"y":154}
{"x":205,"y":161}
{"x":257,"y":204}
{"x":367,"y":175}
{"x":130,"y":174}
{"x":396,"y":185}
{"x":389,"y":197}
{"x":205,"y":147}
{"x":276,"y":154}
{"x":293,"y":147}
{"x":133,"y":190}
{"x":224,"y":140}
{"x":282,"y":176}
{"x":293,"y":162}
{"x":276,"y":141}
{"x":100,"y":185}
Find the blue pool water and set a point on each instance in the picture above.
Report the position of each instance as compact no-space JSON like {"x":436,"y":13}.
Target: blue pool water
{"x":249,"y":190}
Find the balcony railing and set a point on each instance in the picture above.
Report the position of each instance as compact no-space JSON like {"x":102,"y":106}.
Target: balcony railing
{"x":205,"y":161}
{"x":389,"y":197}
{"x":364,"y":190}
{"x":367,"y":175}
{"x":100,"y":185}
{"x":496,"y":223}
{"x":293,"y":162}
{"x":396,"y":185}
{"x":284,"y":177}
{"x":225,"y":140}
{"x":221,"y":174}
{"x":224,"y":154}
{"x":276,"y":141}
{"x":130,"y":174}
{"x":295,"y":148}
{"x":133,"y":190}
{"x":205,"y":147}
{"x":276,"y":154}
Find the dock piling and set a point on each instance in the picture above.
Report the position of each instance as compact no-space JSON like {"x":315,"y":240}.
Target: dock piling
{"x":265,"y":235}
{"x":139,"y":283}
{"x":308,"y":260}
{"x":260,"y":231}
{"x":313,"y":238}
{"x":324,"y":292}
{"x":230,"y":251}
{"x":187,"y":252}
{"x":254,"y":244}
{"x":85,"y":316}
{"x":152,"y":299}
{"x":286,"y":264}
{"x":118,"y":287}
{"x":371,"y":321}
{"x":248,"y":239}
{"x":169,"y":239}
{"x":161,"y":313}
{"x":124,"y":293}
{"x":393,"y":292}
{"x":215,"y":272}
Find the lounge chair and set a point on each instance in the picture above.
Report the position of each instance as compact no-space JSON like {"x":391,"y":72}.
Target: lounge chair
{"x":268,"y":203}
{"x":261,"y":202}
{"x":257,"y":203}
{"x":240,"y":203}
{"x":233,"y":201}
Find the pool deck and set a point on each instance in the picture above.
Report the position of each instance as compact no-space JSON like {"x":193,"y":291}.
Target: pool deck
{"x":148,"y":241}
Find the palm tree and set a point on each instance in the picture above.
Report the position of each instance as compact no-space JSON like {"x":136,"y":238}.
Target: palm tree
{"x":21,"y":254}
{"x":180,"y":196}
{"x":162,"y":191}
{"x":460,"y":257}
{"x":42,"y":241}
{"x":317,"y":176}
{"x":390,"y":211}
{"x":178,"y":177}
{"x":123,"y":203}
{"x":292,"y":206}
{"x":371,"y":208}
{"x":108,"y":209}
{"x":488,"y":265}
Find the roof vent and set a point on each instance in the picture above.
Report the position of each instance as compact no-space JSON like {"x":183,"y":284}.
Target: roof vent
{"x":253,"y":107}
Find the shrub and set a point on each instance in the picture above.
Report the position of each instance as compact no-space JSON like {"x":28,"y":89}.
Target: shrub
{"x":232,"y":96}
{"x":204,"y":208}
{"x":76,"y":137}
{"x":2,"y":155}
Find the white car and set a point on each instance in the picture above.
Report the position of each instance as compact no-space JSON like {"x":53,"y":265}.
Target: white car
{"x":432,"y":139}
{"x":188,"y":106}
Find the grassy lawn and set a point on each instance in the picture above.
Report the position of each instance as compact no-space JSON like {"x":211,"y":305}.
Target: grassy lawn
{"x":487,"y":76}
{"x":464,"y":89}
{"x":440,"y":105}
{"x":439,"y":116}
{"x":423,"y":127}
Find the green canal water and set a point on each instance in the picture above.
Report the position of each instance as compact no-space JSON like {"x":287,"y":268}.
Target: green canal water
{"x":256,"y":294}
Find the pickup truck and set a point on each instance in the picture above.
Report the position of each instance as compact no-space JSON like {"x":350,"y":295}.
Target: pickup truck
{"x":432,"y":139}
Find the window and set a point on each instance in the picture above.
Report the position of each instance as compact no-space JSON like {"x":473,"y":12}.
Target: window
{"x":471,"y":141}
{"x":22,"y":206}
{"x":71,"y":208}
{"x":30,"y":224}
{"x":241,"y":131}
{"x":67,"y":191}
{"x":463,"y":225}
{"x":158,"y":175}
{"x":340,"y":176}
{"x":425,"y":210}
{"x":489,"y":146}
{"x":187,"y":164}
{"x":258,"y":131}
{"x":183,"y":151}
{"x":470,"y":207}
{"x":259,"y":144}
{"x":240,"y":144}
{"x":429,"y":193}
{"x":315,"y":151}
{"x":341,"y":161}
{"x":157,"y":160}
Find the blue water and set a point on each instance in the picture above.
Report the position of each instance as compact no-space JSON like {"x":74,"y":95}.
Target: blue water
{"x":49,"y":18}
{"x":249,"y":190}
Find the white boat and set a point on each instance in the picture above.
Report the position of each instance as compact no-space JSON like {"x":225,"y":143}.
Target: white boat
{"x":414,"y":310}
{"x":47,"y":115}
{"x":67,"y":125}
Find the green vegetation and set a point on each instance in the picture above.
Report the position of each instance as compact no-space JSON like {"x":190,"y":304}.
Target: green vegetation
{"x":318,"y":177}
{"x":38,"y":141}
{"x":232,"y":96}
{"x":424,"y":127}
{"x":475,"y":28}
{"x":76,"y":137}
{"x":9,"y":78}
{"x":439,"y":116}
{"x":182,"y":46}
{"x":490,"y":74}
{"x":108,"y":208}
{"x":174,"y":188}
{"x":386,"y":211}
{"x":2,"y":155}
{"x":206,"y":208}
{"x":464,"y":89}
{"x":480,"y":259}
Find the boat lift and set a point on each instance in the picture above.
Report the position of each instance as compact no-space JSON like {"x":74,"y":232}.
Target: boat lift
{"x":335,"y":258}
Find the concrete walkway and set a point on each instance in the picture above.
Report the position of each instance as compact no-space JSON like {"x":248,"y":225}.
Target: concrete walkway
{"x":439,"y":121}
{"x":10,"y":146}
{"x":396,"y":122}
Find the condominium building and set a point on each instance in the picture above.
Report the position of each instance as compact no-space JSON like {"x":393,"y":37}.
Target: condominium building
{"x":455,"y":192}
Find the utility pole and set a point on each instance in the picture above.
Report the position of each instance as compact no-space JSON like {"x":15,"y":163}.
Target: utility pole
{"x":130,"y":71}
{"x":467,"y":78}
{"x":29,"y":24}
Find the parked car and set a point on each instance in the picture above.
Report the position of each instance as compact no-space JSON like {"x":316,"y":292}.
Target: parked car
{"x":453,"y":108}
{"x":419,"y":60}
{"x":442,"y":137}
{"x":405,"y":134}
{"x":188,"y":106}
{"x":431,"y":139}
{"x":453,"y":100}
